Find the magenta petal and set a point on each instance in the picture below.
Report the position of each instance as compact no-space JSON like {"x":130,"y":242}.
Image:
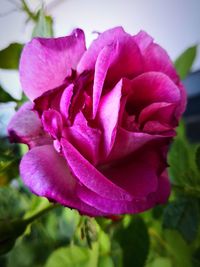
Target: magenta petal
{"x":152,"y":87}
{"x":161,"y":111}
{"x":108,"y":114}
{"x":52,"y":122}
{"x":128,"y":142}
{"x":46,"y":173}
{"x":155,"y":58}
{"x":106,"y":38}
{"x":65,"y":101}
{"x":143,"y":40}
{"x":46,"y":62}
{"x":85,"y":138}
{"x":138,"y":174}
{"x":164,"y":188}
{"x":101,"y":68}
{"x":89,"y":176}
{"x":25,"y":127}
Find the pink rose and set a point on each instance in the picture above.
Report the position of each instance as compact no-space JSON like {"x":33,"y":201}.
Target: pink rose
{"x":100,"y":121}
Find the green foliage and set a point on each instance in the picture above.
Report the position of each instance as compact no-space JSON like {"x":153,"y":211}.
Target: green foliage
{"x":178,"y":250}
{"x":185,"y":61}
{"x":71,"y":256}
{"x":183,"y":215}
{"x":9,"y":160}
{"x":9,"y":56}
{"x":5,"y":97}
{"x":197,"y":158}
{"x":134,"y":241}
{"x":44,"y":26}
{"x":183,"y":162}
{"x":13,"y":204}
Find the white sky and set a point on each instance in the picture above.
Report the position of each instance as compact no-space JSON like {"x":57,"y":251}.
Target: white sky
{"x":174,"y":24}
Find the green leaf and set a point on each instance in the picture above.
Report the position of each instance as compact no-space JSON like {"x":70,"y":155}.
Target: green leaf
{"x":182,"y":215}
{"x":134,"y":241}
{"x":105,"y":261}
{"x":44,"y":26}
{"x":178,"y":159}
{"x":71,"y":256}
{"x":160,"y":262}
{"x":180,"y":251}
{"x":9,"y":56}
{"x":197,"y":157}
{"x":185,"y":61}
{"x":5,"y":97}
{"x":12,"y":203}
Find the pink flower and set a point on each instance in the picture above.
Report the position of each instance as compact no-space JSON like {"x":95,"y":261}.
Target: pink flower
{"x":100,"y":121}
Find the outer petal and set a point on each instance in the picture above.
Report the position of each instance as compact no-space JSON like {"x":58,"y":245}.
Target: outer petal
{"x":155,"y":58}
{"x":46,"y":173}
{"x":25,"y":127}
{"x":45,"y":63}
{"x":138,"y":174}
{"x":89,"y":176}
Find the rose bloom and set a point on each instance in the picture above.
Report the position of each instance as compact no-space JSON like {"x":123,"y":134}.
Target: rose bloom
{"x":99,"y":121}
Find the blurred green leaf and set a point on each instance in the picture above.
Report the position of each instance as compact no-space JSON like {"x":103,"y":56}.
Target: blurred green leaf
{"x":160,"y":262}
{"x":13,"y":204}
{"x":183,"y":170}
{"x":185,"y":61}
{"x":180,"y":250}
{"x":9,"y":161}
{"x":71,"y":256}
{"x":116,"y":254}
{"x":197,"y":157}
{"x":9,"y":56}
{"x":44,"y":26}
{"x":10,"y":230}
{"x":182,"y":215}
{"x":105,"y":261}
{"x":178,"y":159}
{"x":134,"y":241}
{"x":5,"y":97}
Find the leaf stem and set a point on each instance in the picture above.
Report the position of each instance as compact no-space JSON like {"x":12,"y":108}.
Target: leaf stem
{"x":28,"y":11}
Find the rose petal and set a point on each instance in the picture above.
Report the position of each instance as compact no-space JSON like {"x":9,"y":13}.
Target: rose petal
{"x":25,"y":127}
{"x":46,"y":62}
{"x":89,"y":176}
{"x":106,"y":38}
{"x":127,"y":142}
{"x":155,"y":58}
{"x":108,"y":115}
{"x":52,"y":122}
{"x":162,"y":112}
{"x":46,"y":173}
{"x":125,"y":61}
{"x":85,"y":138}
{"x":65,"y":101}
{"x":101,"y":67}
{"x":138,"y":174}
{"x":152,"y":87}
